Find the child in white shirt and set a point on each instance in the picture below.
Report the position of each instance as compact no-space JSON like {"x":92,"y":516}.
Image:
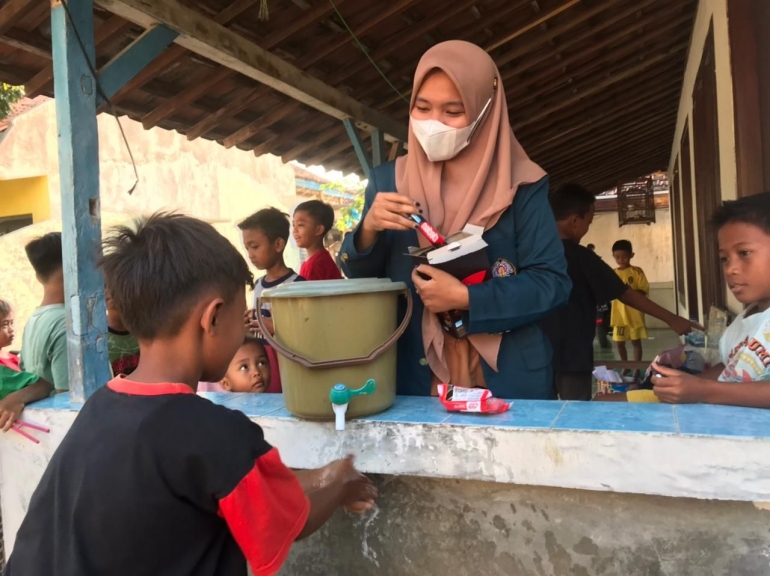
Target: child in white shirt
{"x":743,"y":377}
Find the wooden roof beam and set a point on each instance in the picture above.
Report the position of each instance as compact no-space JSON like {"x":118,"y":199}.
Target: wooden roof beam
{"x":300,"y":128}
{"x":316,"y":56}
{"x":599,"y":140}
{"x":653,"y":17}
{"x":393,"y":8}
{"x":627,"y":153}
{"x":563,"y":132}
{"x":113,"y":26}
{"x":634,"y":46}
{"x":402,"y":38}
{"x":584,"y":78}
{"x":172,"y":55}
{"x":11,"y":12}
{"x":265,"y":120}
{"x":329,"y":150}
{"x":211,"y":40}
{"x":409,"y":66}
{"x":271,"y":41}
{"x":29,"y":42}
{"x":531,"y":26}
{"x":326,"y":136}
{"x":602,"y":180}
{"x":595,"y":88}
{"x":612,"y":98}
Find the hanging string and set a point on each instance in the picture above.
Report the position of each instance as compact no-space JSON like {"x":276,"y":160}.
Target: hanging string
{"x":366,"y":52}
{"x":263,"y":10}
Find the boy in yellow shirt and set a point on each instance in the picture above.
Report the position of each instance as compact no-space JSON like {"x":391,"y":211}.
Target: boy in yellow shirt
{"x":627,"y":322}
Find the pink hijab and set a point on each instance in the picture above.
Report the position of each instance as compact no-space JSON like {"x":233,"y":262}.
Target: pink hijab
{"x":476,"y":186}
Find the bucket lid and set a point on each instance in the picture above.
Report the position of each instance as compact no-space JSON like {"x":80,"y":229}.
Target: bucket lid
{"x":333,"y":288}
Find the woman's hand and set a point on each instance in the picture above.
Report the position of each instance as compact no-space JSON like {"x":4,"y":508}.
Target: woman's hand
{"x":440,"y":292}
{"x":675,"y":387}
{"x":389,"y":211}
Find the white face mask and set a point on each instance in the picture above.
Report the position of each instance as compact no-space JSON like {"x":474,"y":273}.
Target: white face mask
{"x":441,"y":142}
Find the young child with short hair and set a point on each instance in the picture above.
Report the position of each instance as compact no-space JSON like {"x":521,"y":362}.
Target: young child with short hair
{"x":265,"y":236}
{"x":157,"y":479}
{"x":44,"y":342}
{"x":122,"y":347}
{"x":249,"y":370}
{"x":312,"y":220}
{"x":17,"y":388}
{"x":627,"y":321}
{"x":743,"y":376}
{"x":571,"y":328}
{"x":7,"y":335}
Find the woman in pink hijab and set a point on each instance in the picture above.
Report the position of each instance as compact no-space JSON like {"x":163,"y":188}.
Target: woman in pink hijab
{"x":465,"y":166}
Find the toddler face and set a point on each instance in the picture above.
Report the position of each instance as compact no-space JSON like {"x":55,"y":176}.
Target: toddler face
{"x":7,"y":330}
{"x":249,"y":370}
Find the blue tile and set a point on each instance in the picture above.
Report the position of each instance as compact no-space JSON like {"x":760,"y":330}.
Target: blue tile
{"x":412,"y":409}
{"x":617,"y":417}
{"x":711,"y":420}
{"x":55,"y":402}
{"x":523,"y":414}
{"x":220,"y":398}
{"x":255,"y":404}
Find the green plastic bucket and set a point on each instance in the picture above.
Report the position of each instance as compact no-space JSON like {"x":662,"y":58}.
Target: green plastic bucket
{"x":336,"y":332}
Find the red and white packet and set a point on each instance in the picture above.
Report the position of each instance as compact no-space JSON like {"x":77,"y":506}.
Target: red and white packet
{"x":480,"y":400}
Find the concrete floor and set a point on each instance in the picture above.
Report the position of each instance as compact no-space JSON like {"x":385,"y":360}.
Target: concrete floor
{"x":659,"y":341}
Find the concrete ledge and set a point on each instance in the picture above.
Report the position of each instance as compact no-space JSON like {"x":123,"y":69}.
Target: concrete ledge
{"x":711,"y":452}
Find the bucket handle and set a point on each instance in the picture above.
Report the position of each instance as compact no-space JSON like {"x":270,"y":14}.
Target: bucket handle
{"x":313,"y":365}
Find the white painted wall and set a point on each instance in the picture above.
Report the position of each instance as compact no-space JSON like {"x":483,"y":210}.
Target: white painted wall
{"x":652,"y":244}
{"x":622,"y":461}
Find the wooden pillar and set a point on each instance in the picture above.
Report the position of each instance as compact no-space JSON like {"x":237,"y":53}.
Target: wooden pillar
{"x":75,"y":90}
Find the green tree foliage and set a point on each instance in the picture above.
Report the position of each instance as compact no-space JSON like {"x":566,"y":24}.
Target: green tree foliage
{"x":351,"y":214}
{"x":8,"y":95}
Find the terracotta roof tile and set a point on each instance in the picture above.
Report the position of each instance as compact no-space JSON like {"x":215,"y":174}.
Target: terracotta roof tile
{"x":20,"y":107}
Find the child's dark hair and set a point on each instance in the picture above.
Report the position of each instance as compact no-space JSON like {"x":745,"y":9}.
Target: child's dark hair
{"x":45,"y":254}
{"x":570,"y":200}
{"x":591,"y":247}
{"x":249,"y":339}
{"x":747,"y":210}
{"x":318,"y":211}
{"x":623,"y":246}
{"x":270,"y":221}
{"x":5,"y":308}
{"x":155,"y":272}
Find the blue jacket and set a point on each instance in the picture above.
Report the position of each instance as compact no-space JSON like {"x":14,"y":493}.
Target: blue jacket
{"x":525,"y":237}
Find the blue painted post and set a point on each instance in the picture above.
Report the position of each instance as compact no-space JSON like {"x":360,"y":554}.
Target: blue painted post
{"x":378,"y":148}
{"x":75,"y":92}
{"x":133,"y":58}
{"x":358,"y":145}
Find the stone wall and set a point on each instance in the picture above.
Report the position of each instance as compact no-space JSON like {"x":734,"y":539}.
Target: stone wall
{"x":200,"y":178}
{"x":464,"y":528}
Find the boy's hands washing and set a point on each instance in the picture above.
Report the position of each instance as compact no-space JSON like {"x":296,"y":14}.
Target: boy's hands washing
{"x":359,"y":491}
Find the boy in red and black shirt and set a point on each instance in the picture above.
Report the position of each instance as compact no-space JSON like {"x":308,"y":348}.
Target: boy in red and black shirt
{"x":153,"y":479}
{"x":312,"y":220}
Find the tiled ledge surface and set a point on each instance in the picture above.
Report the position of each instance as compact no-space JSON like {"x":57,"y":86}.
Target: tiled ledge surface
{"x":698,"y":451}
